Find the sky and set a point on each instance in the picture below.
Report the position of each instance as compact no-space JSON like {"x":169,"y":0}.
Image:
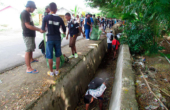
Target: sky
{"x":68,"y":4}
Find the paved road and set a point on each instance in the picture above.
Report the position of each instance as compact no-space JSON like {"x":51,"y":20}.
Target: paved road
{"x":12,"y":48}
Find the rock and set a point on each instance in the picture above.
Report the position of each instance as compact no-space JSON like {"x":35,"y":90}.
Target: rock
{"x":168,"y":38}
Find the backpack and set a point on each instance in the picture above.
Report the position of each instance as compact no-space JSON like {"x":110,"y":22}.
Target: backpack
{"x":111,"y":37}
{"x":95,"y":83}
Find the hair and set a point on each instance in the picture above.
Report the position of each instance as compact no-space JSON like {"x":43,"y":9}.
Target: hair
{"x":67,"y":14}
{"x":47,"y":7}
{"x":116,"y":37}
{"x":93,"y":15}
{"x":87,"y":99}
{"x":53,"y":6}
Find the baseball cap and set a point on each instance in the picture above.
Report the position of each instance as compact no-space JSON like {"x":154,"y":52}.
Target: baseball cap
{"x":31,"y":4}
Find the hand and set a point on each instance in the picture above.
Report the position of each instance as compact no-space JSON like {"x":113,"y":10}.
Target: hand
{"x":83,"y":35}
{"x":67,"y":37}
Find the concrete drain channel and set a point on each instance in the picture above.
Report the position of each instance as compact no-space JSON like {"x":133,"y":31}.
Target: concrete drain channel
{"x":106,"y":71}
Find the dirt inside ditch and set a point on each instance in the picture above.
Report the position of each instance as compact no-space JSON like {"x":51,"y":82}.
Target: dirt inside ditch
{"x":106,"y":70}
{"x":156,"y":70}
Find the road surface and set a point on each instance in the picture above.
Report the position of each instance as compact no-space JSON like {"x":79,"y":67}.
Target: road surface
{"x":12,"y":48}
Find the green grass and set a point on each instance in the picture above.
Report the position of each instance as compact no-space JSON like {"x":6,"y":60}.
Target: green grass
{"x":167,"y":55}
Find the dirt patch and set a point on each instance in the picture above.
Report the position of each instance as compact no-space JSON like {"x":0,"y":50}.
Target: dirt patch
{"x":106,"y":70}
{"x":156,"y":70}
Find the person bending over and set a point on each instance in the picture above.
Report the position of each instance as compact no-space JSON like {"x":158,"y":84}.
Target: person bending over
{"x":96,"y":88}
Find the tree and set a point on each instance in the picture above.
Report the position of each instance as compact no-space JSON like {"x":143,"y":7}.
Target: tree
{"x":142,"y":17}
{"x":76,"y":10}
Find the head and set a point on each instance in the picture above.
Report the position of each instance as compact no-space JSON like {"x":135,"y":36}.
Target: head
{"x":77,"y":16}
{"x":68,"y":16}
{"x":88,"y":99}
{"x":73,"y":15}
{"x":111,"y":31}
{"x":47,"y":9}
{"x":88,"y":15}
{"x":30,"y":6}
{"x":93,"y":16}
{"x":81,"y":15}
{"x":53,"y":7}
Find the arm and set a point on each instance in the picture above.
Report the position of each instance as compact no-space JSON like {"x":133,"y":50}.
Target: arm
{"x":67,"y":34}
{"x":31,"y":27}
{"x":87,"y":106}
{"x":80,"y":29}
{"x":63,"y":26}
{"x":43,"y":26}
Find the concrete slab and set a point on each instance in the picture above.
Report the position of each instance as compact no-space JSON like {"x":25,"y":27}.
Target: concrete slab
{"x":38,"y":91}
{"x":123,"y":93}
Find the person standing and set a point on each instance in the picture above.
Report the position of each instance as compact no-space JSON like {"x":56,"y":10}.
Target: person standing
{"x":29,"y":35}
{"x":115,"y":45}
{"x":109,"y":40}
{"x":95,"y":21}
{"x":54,"y":22}
{"x":78,"y":19}
{"x":110,"y":23}
{"x":74,"y":29}
{"x":81,"y":21}
{"x":47,"y":11}
{"x":87,"y":26}
{"x":73,"y":16}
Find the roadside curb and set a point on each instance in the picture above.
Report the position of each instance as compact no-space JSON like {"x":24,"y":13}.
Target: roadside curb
{"x":123,"y":92}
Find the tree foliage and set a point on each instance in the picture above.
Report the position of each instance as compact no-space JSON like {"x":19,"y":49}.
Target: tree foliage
{"x":145,"y":19}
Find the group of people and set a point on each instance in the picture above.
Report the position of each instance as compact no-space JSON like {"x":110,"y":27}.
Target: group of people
{"x":51,"y":23}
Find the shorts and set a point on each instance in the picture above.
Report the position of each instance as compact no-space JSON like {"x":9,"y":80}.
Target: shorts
{"x":72,"y":42}
{"x":114,"y":47}
{"x":30,"y":43}
{"x":109,"y":46}
{"x":50,"y":45}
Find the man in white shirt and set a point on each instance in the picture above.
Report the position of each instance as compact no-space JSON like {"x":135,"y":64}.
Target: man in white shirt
{"x":96,"y":88}
{"x":109,"y":40}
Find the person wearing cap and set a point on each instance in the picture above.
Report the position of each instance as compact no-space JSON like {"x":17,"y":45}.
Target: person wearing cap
{"x":29,"y":35}
{"x":54,"y":22}
{"x":73,"y":30}
{"x":96,"y":90}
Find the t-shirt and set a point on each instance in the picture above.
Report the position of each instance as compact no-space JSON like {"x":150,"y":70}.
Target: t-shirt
{"x":73,"y":27}
{"x":116,"y":42}
{"x":92,"y":20}
{"x":86,"y":26}
{"x":96,"y":92}
{"x":82,"y":19}
{"x":108,"y":37}
{"x":25,"y":16}
{"x":53,"y":22}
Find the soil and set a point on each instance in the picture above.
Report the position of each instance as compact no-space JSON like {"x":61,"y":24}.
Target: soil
{"x":106,"y":70}
{"x":159,"y":76}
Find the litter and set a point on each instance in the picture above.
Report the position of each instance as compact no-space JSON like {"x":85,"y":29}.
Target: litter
{"x":151,"y":107}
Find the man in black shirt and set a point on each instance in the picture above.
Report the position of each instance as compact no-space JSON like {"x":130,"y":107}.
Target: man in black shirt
{"x":29,"y":35}
{"x":74,"y":29}
{"x":54,"y":22}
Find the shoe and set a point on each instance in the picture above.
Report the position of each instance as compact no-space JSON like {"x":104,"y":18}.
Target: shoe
{"x":71,"y":56}
{"x":76,"y":55}
{"x":50,"y":73}
{"x":57,"y":72}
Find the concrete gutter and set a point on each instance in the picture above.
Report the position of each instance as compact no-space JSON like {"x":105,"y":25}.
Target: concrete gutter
{"x":70,"y":86}
{"x":123,"y":92}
